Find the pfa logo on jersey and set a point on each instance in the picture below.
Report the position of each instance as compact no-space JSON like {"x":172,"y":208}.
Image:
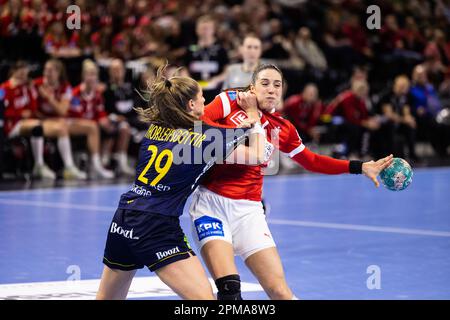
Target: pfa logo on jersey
{"x":208,"y":226}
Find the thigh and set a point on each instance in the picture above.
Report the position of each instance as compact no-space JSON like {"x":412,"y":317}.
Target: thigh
{"x":23,"y":127}
{"x":114,"y":284}
{"x":219,"y":258}
{"x":54,"y":127}
{"x":267,"y":268}
{"x":208,"y":218}
{"x":187,"y":278}
{"x":249,"y":227}
{"x":81,"y":126}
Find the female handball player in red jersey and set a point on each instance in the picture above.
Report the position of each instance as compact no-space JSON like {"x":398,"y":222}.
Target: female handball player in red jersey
{"x":226,"y":211}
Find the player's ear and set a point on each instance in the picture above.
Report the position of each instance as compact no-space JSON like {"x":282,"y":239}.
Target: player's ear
{"x":190,"y":105}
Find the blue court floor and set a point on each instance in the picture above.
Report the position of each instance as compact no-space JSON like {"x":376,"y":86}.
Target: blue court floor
{"x":339,"y":237}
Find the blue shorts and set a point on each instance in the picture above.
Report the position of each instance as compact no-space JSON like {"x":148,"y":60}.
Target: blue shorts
{"x":137,"y":239}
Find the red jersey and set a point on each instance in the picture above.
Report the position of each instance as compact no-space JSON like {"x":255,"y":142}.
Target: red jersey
{"x":88,"y":106}
{"x":63,"y":92}
{"x":350,"y":106}
{"x":303,"y":115}
{"x":238,"y":181}
{"x":17,"y":100}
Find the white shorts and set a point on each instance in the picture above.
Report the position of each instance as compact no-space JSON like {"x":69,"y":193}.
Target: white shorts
{"x":242,"y":223}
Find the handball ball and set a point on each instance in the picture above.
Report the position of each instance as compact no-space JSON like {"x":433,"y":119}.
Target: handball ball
{"x":397,"y":176}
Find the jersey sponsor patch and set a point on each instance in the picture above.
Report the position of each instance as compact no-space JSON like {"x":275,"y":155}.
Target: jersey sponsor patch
{"x":232,"y":95}
{"x":207,"y":226}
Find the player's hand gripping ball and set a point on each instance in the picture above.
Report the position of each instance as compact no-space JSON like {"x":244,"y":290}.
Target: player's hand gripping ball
{"x":397,"y":176}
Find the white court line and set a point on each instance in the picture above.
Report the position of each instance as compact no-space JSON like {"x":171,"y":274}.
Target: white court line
{"x":141,"y":287}
{"x":359,"y":227}
{"x":298,"y":223}
{"x":59,"y":205}
{"x":96,"y":188}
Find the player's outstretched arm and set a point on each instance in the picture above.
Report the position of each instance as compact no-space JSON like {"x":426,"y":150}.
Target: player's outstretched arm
{"x":372,"y":169}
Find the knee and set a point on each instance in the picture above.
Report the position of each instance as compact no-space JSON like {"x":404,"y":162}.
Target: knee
{"x":229,"y":287}
{"x":204,"y":293}
{"x":92,"y":127}
{"x":124,"y":127}
{"x":279,"y":291}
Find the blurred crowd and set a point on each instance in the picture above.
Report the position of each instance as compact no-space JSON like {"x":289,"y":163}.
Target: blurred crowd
{"x":68,"y":94}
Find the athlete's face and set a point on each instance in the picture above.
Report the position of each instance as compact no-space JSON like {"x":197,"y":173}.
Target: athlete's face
{"x":268,"y":89}
{"x":51,"y":74}
{"x":21,"y":75}
{"x":197,"y":105}
{"x":251,"y":50}
{"x":90,"y":77}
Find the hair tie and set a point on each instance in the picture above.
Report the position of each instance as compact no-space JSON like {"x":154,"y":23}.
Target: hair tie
{"x":168,"y":83}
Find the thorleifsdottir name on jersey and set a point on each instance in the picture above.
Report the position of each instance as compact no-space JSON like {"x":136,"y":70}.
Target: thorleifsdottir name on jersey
{"x":183,"y":153}
{"x":181,"y":136}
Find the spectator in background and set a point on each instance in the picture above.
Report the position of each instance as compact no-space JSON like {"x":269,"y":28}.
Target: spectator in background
{"x":390,"y":34}
{"x":303,"y":111}
{"x":121,"y":46}
{"x":55,"y":96}
{"x":239,"y":75}
{"x":357,"y":125}
{"x":206,"y":58}
{"x":353,"y":30}
{"x":412,"y":39}
{"x":119,"y":106}
{"x":426,"y":105}
{"x":57,"y":44}
{"x":399,"y":127}
{"x":338,"y":50}
{"x":87,"y":103}
{"x":20,"y":100}
{"x":102,"y":39}
{"x":437,"y":55}
{"x":444,"y":90}
{"x":309,"y":51}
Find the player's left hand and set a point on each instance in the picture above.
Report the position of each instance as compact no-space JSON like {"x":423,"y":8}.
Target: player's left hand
{"x":372,"y":169}
{"x":247,"y":101}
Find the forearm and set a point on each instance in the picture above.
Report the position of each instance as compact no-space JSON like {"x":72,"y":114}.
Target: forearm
{"x":60,"y":107}
{"x":327,"y":165}
{"x":253,"y":115}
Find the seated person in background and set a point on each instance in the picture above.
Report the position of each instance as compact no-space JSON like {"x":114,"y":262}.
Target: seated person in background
{"x":426,"y":106}
{"x":20,"y":101}
{"x":119,"y":107}
{"x":87,"y":103}
{"x":55,"y":95}
{"x":357,"y":125}
{"x":399,"y":127}
{"x":304,"y":110}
